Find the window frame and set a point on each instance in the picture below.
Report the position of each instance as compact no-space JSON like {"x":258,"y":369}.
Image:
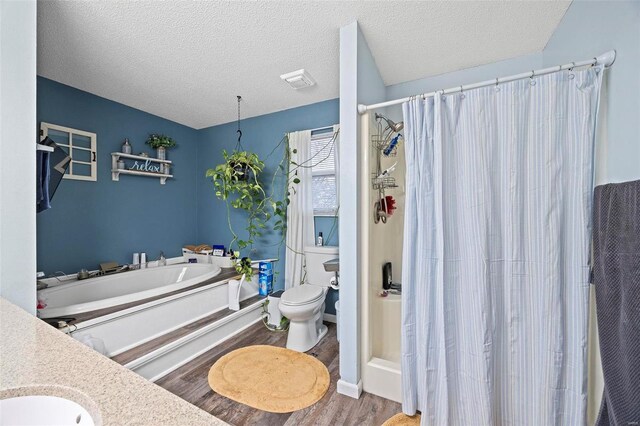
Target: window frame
{"x":93,"y":151}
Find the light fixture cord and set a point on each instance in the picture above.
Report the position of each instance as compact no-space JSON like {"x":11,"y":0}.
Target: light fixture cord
{"x":239,"y":132}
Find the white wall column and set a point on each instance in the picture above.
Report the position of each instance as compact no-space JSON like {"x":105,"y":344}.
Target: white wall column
{"x":18,"y":153}
{"x":360,"y":82}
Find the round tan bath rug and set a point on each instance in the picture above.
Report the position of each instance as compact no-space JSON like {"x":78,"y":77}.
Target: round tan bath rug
{"x":402,"y":419}
{"x":270,"y":378}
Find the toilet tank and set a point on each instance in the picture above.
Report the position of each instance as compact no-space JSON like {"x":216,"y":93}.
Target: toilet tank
{"x":315,"y":257}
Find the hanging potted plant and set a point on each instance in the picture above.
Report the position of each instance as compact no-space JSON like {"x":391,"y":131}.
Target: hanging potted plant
{"x":244,"y":165}
{"x":161,"y":143}
{"x":236,"y":182}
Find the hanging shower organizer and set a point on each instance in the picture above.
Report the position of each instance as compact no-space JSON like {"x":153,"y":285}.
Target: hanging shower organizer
{"x":383,"y":145}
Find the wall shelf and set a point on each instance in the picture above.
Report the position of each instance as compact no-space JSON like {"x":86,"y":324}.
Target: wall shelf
{"x":116,"y":172}
{"x":45,"y":148}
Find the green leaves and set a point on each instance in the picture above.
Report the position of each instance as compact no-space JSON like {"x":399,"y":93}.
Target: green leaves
{"x":160,"y":141}
{"x":238,"y":182}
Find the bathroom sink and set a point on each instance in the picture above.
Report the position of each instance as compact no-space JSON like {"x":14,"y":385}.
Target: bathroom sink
{"x":332,"y":265}
{"x":43,"y":410}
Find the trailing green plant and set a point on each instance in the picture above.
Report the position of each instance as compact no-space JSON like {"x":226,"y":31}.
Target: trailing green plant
{"x":160,"y":141}
{"x":243,"y":267}
{"x":236,"y":182}
{"x":239,"y":182}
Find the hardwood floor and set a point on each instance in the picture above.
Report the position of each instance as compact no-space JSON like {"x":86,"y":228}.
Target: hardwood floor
{"x":190,"y":383}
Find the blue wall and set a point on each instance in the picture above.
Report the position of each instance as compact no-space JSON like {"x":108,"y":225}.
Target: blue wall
{"x":329,"y":227}
{"x":260,"y":135}
{"x":93,"y":222}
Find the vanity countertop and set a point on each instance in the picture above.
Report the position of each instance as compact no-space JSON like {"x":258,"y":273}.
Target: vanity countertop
{"x":36,"y":358}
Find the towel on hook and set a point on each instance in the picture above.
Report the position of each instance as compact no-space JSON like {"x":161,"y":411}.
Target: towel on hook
{"x":616,"y":277}
{"x":43,"y":176}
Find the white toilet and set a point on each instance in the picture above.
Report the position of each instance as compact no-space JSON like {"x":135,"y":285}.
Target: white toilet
{"x":304,"y":304}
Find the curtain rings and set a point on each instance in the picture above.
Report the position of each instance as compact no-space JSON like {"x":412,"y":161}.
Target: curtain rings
{"x":571,"y":74}
{"x":532,"y":82}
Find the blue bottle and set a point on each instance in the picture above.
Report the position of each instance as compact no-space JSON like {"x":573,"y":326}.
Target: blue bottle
{"x":389,"y":149}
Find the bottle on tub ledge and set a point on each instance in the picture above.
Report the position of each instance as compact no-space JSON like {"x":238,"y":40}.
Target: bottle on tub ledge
{"x":265,"y":278}
{"x":319,"y":240}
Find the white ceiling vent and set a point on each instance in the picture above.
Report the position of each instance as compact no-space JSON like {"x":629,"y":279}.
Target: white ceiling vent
{"x":298,"y":79}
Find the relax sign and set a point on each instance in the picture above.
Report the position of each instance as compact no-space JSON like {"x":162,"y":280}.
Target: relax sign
{"x":146,"y":167}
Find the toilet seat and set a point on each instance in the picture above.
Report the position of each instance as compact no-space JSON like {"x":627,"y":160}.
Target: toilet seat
{"x":302,"y":295}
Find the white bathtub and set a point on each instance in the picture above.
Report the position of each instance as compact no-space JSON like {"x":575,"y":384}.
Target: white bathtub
{"x":103,"y":292}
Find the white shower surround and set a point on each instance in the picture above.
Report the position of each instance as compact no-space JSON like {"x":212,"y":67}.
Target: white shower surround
{"x":381,"y":316}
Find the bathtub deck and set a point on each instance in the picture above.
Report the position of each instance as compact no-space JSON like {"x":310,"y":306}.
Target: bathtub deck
{"x":225,"y":275}
{"x":145,"y":348}
{"x":190,"y":383}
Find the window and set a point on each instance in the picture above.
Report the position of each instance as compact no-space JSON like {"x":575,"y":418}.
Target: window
{"x":79,"y":145}
{"x":323,"y":172}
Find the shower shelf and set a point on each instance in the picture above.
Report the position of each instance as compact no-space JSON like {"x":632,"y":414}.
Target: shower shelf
{"x":380,"y":143}
{"x":383,"y":182}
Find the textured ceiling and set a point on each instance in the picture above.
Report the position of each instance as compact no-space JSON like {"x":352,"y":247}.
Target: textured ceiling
{"x":186,"y":61}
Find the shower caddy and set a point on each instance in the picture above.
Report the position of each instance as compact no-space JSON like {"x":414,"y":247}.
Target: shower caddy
{"x":381,"y":144}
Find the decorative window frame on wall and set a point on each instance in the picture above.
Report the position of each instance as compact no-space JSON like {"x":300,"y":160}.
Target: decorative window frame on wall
{"x":72,"y":149}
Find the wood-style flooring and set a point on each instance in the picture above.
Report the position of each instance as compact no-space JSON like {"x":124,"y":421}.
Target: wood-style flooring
{"x":190,"y":383}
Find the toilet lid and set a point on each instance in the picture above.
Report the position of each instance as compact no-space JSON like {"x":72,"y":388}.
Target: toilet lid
{"x":301,"y":295}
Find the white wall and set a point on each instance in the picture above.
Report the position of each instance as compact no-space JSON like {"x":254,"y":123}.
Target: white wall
{"x":360,"y":82}
{"x":17,"y":152}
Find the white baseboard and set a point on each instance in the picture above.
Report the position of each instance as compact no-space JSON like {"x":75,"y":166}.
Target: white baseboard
{"x":349,"y":389}
{"x":330,"y":318}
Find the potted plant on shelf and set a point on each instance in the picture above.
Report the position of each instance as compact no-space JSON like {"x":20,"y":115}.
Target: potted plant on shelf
{"x":161,"y":143}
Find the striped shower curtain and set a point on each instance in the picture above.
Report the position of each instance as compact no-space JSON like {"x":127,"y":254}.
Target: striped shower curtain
{"x":496,"y":252}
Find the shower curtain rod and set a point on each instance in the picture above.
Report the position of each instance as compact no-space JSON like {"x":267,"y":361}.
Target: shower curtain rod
{"x":605,"y":59}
